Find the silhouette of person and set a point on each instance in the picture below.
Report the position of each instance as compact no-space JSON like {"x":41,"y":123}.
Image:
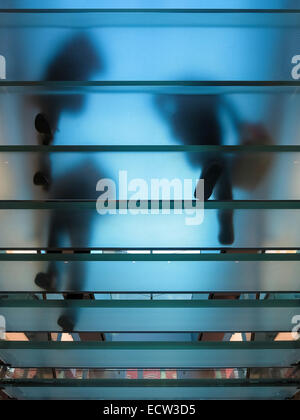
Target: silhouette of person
{"x":75,"y":226}
{"x":195,"y":120}
{"x":76,"y":60}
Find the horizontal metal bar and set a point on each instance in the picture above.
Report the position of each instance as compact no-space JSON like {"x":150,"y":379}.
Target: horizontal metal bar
{"x":150,"y":315}
{"x":194,"y":389}
{"x":151,"y":148}
{"x":148,"y":355}
{"x":149,"y":257}
{"x":149,"y":10}
{"x":151,"y":83}
{"x":151,"y":204}
{"x":161,"y":383}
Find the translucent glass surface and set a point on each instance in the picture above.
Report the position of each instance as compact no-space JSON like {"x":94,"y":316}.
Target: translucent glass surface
{"x":84,"y":113}
{"x":150,"y":316}
{"x":145,"y":76}
{"x":155,"y":276}
{"x":149,"y":355}
{"x":151,"y":46}
{"x":252,"y":176}
{"x":252,"y":228}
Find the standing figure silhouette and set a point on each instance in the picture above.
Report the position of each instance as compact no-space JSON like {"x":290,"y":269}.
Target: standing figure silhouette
{"x":76,"y":60}
{"x":72,"y":226}
{"x":195,"y":120}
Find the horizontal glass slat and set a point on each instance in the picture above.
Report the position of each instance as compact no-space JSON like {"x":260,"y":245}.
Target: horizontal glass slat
{"x":154,"y":276}
{"x":149,"y":46}
{"x":150,"y":316}
{"x":149,"y":355}
{"x":153,"y":124}
{"x":86,"y":18}
{"x":150,"y":389}
{"x":71,"y":175}
{"x":149,"y":129}
{"x":252,"y":229}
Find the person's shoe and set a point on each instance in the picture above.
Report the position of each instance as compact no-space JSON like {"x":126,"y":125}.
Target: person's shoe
{"x":65,"y":323}
{"x":42,"y":126}
{"x":210,"y":176}
{"x":45,"y":281}
{"x":41,"y":179}
{"x":226,"y":235}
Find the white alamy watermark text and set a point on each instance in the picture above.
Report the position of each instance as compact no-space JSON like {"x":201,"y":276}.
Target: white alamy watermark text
{"x":2,"y":327}
{"x":296,"y":328}
{"x":296,"y":67}
{"x":2,"y":67}
{"x":139,"y":196}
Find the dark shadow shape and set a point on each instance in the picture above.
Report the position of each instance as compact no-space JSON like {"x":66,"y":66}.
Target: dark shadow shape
{"x":76,"y":60}
{"x":195,"y":120}
{"x":75,"y":226}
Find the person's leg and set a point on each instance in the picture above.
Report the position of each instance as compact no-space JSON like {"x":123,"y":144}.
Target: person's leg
{"x":223,"y":192}
{"x":46,"y":124}
{"x":47,"y":281}
{"x":79,"y":232}
{"x":42,"y":178}
{"x":211,"y":173}
{"x":212,"y":167}
{"x":46,"y":120}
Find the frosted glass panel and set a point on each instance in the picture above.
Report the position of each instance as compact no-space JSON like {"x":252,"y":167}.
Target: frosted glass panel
{"x":154,"y":276}
{"x":152,"y":46}
{"x":149,"y":355}
{"x":252,"y":228}
{"x":150,"y":316}
{"x":85,"y":113}
{"x":246,"y":176}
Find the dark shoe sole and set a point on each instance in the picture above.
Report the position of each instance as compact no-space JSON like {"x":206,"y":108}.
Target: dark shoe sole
{"x":41,"y":179}
{"x":65,"y":323}
{"x":44,"y":281}
{"x":42,"y":126}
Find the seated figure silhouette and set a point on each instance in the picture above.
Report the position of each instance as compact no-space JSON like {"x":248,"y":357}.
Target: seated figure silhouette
{"x":195,"y":120}
{"x":73,"y":226}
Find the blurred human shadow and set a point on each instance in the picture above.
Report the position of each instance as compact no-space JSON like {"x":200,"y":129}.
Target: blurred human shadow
{"x":77,"y":59}
{"x":196,"y":120}
{"x":74,"y":227}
